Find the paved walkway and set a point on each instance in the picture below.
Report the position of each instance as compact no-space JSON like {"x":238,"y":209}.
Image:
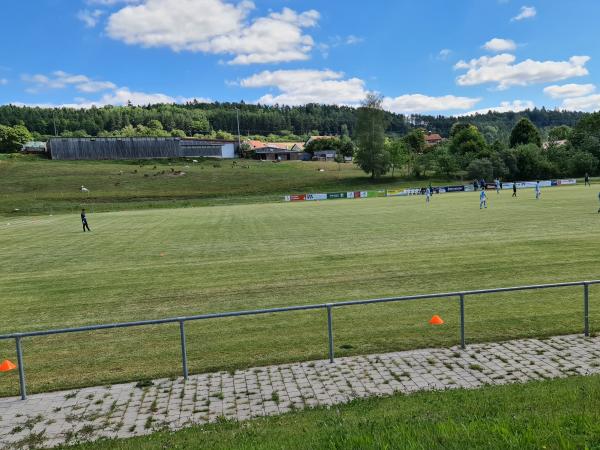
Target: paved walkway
{"x":127,"y":410}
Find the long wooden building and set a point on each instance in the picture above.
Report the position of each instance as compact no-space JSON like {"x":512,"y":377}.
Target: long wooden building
{"x":137,"y":148}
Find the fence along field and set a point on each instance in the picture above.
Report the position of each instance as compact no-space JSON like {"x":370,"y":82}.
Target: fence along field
{"x":256,"y":256}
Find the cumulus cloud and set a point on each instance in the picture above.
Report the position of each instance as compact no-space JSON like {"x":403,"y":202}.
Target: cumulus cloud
{"x":299,"y":87}
{"x":216,"y":27}
{"x":500,"y":45}
{"x":569,"y":90}
{"x":61,"y":80}
{"x":586,"y":103}
{"x":527,"y":12}
{"x":111,"y":2}
{"x":120,"y":97}
{"x":123,"y":96}
{"x":514,"y":106}
{"x":502,"y":70}
{"x":113,"y":94}
{"x":90,"y":18}
{"x":419,"y":103}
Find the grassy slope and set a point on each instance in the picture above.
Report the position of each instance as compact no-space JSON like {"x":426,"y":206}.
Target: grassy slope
{"x":550,"y":414}
{"x":250,"y":256}
{"x":41,"y":186}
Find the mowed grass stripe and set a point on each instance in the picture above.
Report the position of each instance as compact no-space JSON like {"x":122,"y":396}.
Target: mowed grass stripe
{"x":236,"y":257}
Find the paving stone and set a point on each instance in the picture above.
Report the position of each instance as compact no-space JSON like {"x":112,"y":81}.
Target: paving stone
{"x":123,"y":410}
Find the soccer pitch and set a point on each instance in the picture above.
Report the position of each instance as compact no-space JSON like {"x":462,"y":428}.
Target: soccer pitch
{"x":151,"y":264}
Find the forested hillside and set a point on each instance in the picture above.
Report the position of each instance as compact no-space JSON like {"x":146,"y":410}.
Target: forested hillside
{"x":255,"y":120}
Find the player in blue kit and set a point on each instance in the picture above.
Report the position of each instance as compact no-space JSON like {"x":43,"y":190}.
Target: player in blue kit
{"x":482,"y":200}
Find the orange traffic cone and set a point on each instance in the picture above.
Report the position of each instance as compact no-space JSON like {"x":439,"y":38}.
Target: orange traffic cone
{"x":7,"y":366}
{"x":436,"y":320}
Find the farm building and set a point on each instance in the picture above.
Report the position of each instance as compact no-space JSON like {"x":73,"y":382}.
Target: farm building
{"x":325,"y":155}
{"x":277,"y":153}
{"x":433,"y":139}
{"x":138,"y":148}
{"x":35,"y":147}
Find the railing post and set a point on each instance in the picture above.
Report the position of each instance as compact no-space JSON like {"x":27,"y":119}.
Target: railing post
{"x":330,"y":331}
{"x":183,"y":349}
{"x":22,"y":386}
{"x":462,"y":322}
{"x":586,"y":309}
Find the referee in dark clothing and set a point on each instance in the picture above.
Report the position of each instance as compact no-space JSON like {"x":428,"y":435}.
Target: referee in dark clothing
{"x":84,"y":221}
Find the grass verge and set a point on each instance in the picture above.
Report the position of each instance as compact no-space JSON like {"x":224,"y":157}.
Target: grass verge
{"x":550,"y":414}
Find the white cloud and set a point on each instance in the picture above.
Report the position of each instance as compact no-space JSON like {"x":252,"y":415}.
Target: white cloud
{"x":502,"y":70}
{"x":500,"y":45}
{"x":514,"y":106}
{"x":444,"y":54}
{"x":337,"y":41}
{"x":90,"y":18}
{"x":569,"y":90}
{"x":3,"y":81}
{"x":418,"y":103}
{"x":111,"y":2}
{"x":351,"y":39}
{"x":587,"y":103}
{"x":123,"y":95}
{"x":120,"y":97}
{"x":216,"y":27}
{"x":299,"y":87}
{"x":527,"y":12}
{"x":61,"y":80}
{"x":113,"y":94}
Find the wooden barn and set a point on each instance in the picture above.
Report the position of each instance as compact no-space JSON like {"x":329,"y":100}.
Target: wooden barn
{"x":100,"y":148}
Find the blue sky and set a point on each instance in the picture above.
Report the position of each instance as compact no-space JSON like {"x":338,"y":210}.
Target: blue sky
{"x":426,"y":56}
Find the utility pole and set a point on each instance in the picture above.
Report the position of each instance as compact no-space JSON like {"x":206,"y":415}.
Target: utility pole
{"x":237,"y":114}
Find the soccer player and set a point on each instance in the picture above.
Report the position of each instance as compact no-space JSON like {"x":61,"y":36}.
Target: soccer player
{"x":497,"y":181}
{"x":587,"y":180}
{"x":598,"y":199}
{"x":482,"y":200}
{"x":427,"y":195}
{"x":538,"y":190}
{"x":514,"y":189}
{"x":84,"y":221}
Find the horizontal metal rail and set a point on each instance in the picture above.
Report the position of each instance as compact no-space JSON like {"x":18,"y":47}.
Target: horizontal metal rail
{"x":328,"y":306}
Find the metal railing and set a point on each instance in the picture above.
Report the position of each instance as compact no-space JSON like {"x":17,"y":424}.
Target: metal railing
{"x":327,"y":306}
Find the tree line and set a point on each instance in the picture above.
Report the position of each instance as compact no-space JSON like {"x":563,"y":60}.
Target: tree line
{"x":566,"y":151}
{"x":266,"y":122}
{"x":506,"y":145}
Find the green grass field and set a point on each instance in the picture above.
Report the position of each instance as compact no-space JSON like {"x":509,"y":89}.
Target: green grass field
{"x":40,"y":186}
{"x":233,"y":257}
{"x":550,"y":414}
